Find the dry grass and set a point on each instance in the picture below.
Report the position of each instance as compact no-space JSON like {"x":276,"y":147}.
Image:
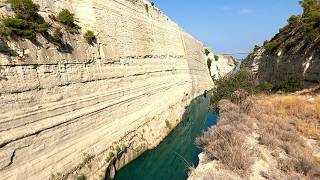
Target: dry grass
{"x":302,"y":106}
{"x":301,"y":110}
{"x":226,"y":142}
{"x":289,"y":117}
{"x":281,"y":122}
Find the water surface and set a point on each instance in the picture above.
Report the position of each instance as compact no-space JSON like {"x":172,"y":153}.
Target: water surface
{"x":171,"y":159}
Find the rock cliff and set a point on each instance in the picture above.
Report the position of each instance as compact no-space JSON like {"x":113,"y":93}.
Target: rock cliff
{"x":90,"y":109}
{"x":294,"y":51}
{"x":222,"y":66}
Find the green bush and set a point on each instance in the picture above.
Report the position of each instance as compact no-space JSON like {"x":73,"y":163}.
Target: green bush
{"x":67,"y":18}
{"x":89,"y":36}
{"x":24,"y":9}
{"x":265,"y":87}
{"x":25,"y":23}
{"x":57,"y":37}
{"x":256,"y":48}
{"x":294,"y":19}
{"x":168,"y":125}
{"x":81,"y":177}
{"x":19,"y":27}
{"x":243,"y":80}
{"x":41,"y":28}
{"x":311,"y":18}
{"x":216,"y":57}
{"x":209,"y":62}
{"x":293,"y":83}
{"x":207,"y":51}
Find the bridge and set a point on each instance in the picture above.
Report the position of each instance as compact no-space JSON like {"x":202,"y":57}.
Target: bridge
{"x":236,"y":53}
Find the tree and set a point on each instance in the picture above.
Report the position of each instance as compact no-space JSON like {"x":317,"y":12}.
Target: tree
{"x":24,"y":9}
{"x":66,"y":17}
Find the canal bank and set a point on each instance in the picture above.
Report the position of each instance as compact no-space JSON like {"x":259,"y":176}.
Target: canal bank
{"x":172,"y":158}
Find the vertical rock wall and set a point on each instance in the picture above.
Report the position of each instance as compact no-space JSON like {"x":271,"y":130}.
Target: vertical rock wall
{"x":87,"y":108}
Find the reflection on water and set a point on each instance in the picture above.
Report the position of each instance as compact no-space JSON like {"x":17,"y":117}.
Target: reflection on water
{"x":171,"y":159}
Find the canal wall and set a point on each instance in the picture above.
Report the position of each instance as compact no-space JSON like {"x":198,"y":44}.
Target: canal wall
{"x":74,"y":111}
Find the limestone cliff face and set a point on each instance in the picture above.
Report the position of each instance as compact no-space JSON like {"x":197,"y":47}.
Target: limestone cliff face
{"x":91,"y":108}
{"x":222,"y":67}
{"x":289,"y":53}
{"x":271,"y":68}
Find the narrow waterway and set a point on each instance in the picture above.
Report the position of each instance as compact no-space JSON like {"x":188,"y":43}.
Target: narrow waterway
{"x":171,"y":159}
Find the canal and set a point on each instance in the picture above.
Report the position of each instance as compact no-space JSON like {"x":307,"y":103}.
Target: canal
{"x":173,"y":157}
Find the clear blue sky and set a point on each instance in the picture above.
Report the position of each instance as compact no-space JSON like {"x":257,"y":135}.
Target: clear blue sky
{"x":229,"y":26}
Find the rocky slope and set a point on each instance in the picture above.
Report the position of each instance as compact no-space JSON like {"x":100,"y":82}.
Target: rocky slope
{"x":266,"y":137}
{"x":295,"y":50}
{"x":90,"y":109}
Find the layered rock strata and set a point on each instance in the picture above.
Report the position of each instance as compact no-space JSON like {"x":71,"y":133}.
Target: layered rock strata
{"x":90,"y":109}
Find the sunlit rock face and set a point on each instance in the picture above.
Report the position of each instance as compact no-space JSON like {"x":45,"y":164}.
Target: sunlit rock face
{"x":73,"y":111}
{"x":221,"y":65}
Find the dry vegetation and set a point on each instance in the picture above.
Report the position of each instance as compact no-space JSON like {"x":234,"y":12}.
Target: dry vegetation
{"x":269,"y":130}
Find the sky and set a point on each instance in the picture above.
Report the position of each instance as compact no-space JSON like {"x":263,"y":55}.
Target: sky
{"x":230,"y":26}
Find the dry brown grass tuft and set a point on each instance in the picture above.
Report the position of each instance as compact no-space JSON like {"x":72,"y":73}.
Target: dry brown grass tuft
{"x":288,"y":118}
{"x":280,"y":122}
{"x":227,"y":141}
{"x":304,"y":106}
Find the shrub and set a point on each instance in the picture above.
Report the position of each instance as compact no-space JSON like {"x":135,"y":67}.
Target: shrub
{"x":19,"y":27}
{"x":271,"y":46}
{"x":41,"y":28}
{"x":67,"y":18}
{"x":311,"y":18}
{"x":265,"y":87}
{"x":294,"y":19}
{"x":57,"y":37}
{"x":4,"y":31}
{"x":256,"y":48}
{"x":168,"y":125}
{"x":207,"y":51}
{"x":243,"y":80}
{"x":81,"y":177}
{"x":209,"y":62}
{"x":24,"y":9}
{"x":89,"y":36}
{"x":25,"y":23}
{"x":293,"y":83}
{"x":216,"y":57}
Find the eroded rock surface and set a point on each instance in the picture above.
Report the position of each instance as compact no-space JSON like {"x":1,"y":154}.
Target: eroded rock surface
{"x":92,"y":107}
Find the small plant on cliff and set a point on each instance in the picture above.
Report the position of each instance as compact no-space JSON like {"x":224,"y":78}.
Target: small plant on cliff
{"x":67,"y":18}
{"x":207,"y":51}
{"x":216,"y":57}
{"x":81,"y":177}
{"x":209,"y":62}
{"x":24,"y":9}
{"x":26,"y":21}
{"x":57,"y":37}
{"x":168,"y":125}
{"x":89,"y":36}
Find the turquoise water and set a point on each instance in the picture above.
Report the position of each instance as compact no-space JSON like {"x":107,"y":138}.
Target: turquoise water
{"x":171,"y":159}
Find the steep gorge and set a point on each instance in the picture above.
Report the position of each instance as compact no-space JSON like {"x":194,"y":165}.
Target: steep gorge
{"x":66,"y":113}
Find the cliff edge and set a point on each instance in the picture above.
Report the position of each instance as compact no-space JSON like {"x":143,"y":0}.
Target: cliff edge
{"x":294,"y":51}
{"x":92,"y":108}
